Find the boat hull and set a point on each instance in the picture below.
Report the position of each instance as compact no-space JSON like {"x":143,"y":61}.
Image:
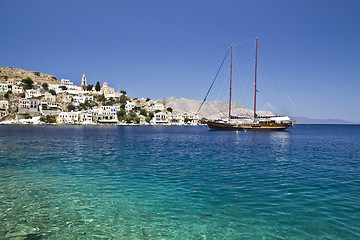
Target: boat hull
{"x":248,"y":126}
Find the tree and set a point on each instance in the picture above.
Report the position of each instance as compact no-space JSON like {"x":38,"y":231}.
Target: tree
{"x":89,"y":87}
{"x":70,"y":107}
{"x":45,"y":86}
{"x":48,"y":119}
{"x":111,"y":99}
{"x":148,"y":119}
{"x":27,"y":116}
{"x":128,"y":119}
{"x":7,"y":94}
{"x":97,"y":86}
{"x":137,"y":119}
{"x":133,"y":114}
{"x":143,"y":112}
{"x":101,"y":98}
{"x":28,"y":83}
{"x":186,"y":120}
{"x":52,"y":92}
{"x":122,"y":106}
{"x":148,"y":99}
{"x":123,"y":98}
{"x":157,"y":110}
{"x":81,"y":106}
{"x":123,"y":92}
{"x":87,"y":103}
{"x":121,"y":113}
{"x":151,"y":115}
{"x":169,"y":109}
{"x":63,"y":87}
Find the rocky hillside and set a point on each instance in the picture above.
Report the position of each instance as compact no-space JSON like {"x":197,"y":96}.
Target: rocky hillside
{"x":18,"y":74}
{"x":210,"y":110}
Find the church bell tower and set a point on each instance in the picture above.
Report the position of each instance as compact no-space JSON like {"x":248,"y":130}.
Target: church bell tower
{"x":83,"y":82}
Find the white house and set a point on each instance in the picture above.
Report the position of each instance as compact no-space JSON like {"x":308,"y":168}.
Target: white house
{"x":56,"y":88}
{"x":50,"y":98}
{"x":188,"y":118}
{"x":86,"y":118}
{"x":4,"y":106}
{"x":106,"y":89}
{"x":30,"y":93}
{"x":4,"y":87}
{"x":114,"y":95}
{"x":68,"y":117}
{"x":107,"y":114}
{"x":158,"y":106}
{"x":28,"y":105}
{"x":17,"y":89}
{"x":12,"y":82}
{"x":129,"y":106}
{"x":160,"y":118}
{"x":174,"y":119}
{"x":66,"y":82}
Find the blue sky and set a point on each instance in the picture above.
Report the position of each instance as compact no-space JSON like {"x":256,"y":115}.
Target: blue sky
{"x":309,"y":54}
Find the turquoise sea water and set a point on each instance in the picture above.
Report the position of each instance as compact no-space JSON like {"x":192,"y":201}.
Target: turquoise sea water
{"x":121,"y":182}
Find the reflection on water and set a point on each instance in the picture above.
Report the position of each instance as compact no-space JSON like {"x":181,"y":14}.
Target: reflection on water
{"x":280,"y":141}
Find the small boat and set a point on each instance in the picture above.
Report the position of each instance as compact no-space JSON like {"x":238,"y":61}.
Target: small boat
{"x":257,"y":123}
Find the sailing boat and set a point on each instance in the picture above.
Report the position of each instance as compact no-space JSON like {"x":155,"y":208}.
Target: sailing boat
{"x":274,"y":123}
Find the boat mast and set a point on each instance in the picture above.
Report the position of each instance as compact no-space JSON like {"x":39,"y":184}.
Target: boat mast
{"x":255,"y":79}
{"x":231,"y":47}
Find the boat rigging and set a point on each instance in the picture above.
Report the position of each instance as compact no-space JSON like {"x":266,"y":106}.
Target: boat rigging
{"x":241,"y":123}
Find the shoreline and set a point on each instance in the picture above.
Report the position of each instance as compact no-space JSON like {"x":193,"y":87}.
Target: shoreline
{"x":97,"y":124}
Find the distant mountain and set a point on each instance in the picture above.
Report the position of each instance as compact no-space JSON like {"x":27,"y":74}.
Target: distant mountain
{"x":305,"y":120}
{"x":210,"y":110}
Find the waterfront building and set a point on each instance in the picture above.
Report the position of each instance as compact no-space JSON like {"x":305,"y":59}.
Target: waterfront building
{"x":174,"y":119}
{"x":95,"y":114}
{"x":107,"y":114}
{"x":160,"y":118}
{"x":86,"y":118}
{"x":188,"y":118}
{"x":28,"y":105}
{"x":68,"y":117}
